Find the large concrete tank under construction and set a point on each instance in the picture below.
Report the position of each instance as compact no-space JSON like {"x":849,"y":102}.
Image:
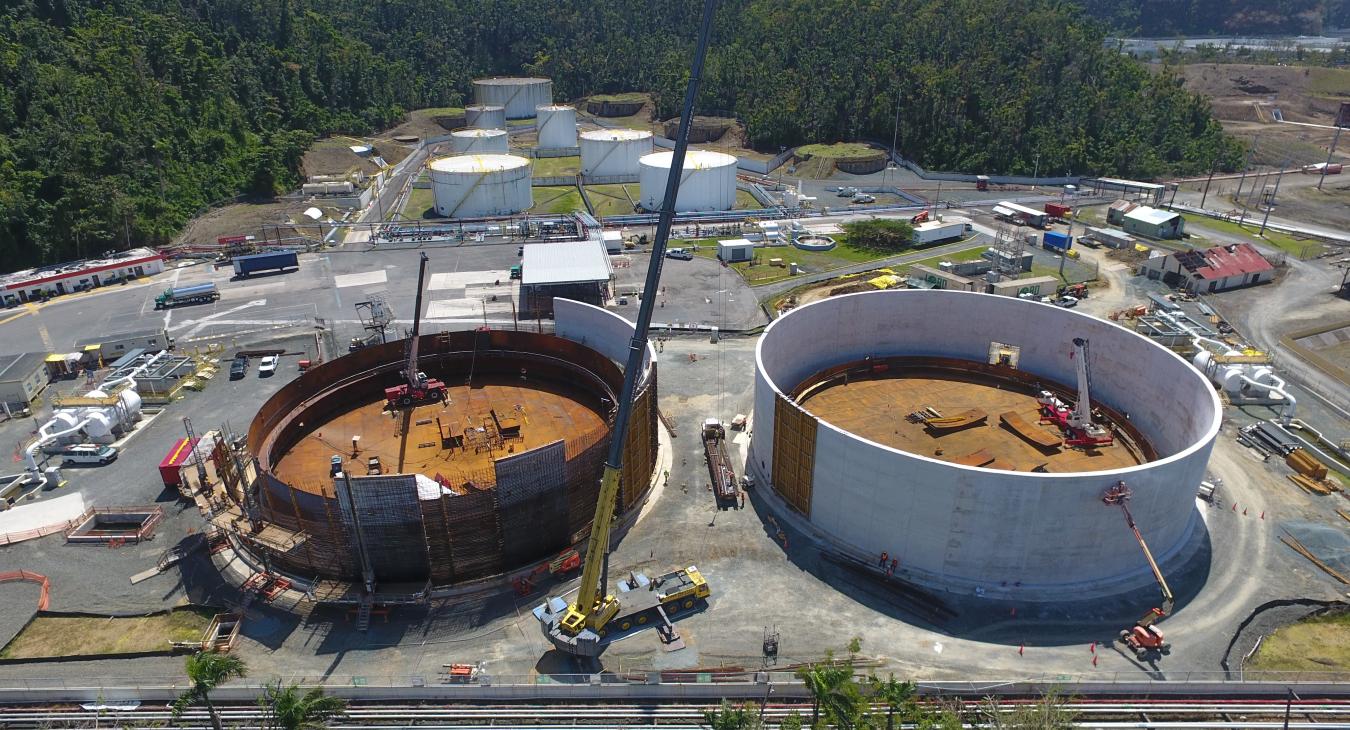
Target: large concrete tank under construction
{"x":478,"y":141}
{"x":478,"y":186}
{"x":519,"y":96}
{"x":908,"y":423}
{"x":613,"y":151}
{"x":485,"y":117}
{"x":557,"y":126}
{"x":708,"y":182}
{"x":503,"y":476}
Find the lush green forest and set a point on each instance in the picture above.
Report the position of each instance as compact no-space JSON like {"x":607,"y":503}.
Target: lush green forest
{"x":119,"y":119}
{"x":1154,"y":18}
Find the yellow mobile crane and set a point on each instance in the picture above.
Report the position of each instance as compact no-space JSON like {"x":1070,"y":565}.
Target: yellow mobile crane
{"x":586,"y":625}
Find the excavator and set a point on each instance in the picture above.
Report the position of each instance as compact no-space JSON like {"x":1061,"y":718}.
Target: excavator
{"x":1144,"y":638}
{"x":417,"y":389}
{"x":586,"y":625}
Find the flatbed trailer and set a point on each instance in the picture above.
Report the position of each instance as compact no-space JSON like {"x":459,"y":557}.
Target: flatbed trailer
{"x":719,"y":465}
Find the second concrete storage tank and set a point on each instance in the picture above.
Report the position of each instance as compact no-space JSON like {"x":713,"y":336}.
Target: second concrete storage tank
{"x":476,"y":186}
{"x":557,"y":126}
{"x":480,"y":141}
{"x":708,"y":181}
{"x":485,"y":117}
{"x":613,"y":151}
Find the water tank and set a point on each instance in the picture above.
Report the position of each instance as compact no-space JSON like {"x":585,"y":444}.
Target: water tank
{"x":519,"y":96}
{"x":477,"y":186}
{"x":557,"y":126}
{"x":1230,"y":378}
{"x":131,"y":403}
{"x":485,"y":117}
{"x":478,"y":141}
{"x":1204,"y":361}
{"x":613,"y":151}
{"x":708,"y":181}
{"x":100,"y":426}
{"x":1263,"y":375}
{"x":64,"y":420}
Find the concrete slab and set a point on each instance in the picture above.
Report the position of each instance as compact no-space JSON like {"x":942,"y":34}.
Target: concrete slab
{"x":464,"y":279}
{"x":366,"y":278}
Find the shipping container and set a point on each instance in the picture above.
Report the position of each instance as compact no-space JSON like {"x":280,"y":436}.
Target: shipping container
{"x":1056,"y":241}
{"x":1058,"y":210}
{"x":278,"y":260}
{"x":171,"y":466}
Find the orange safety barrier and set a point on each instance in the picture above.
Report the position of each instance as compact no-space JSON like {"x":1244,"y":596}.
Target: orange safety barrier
{"x":44,"y":598}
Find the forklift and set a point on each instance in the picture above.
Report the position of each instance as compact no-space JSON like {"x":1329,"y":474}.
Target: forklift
{"x":1144,"y":638}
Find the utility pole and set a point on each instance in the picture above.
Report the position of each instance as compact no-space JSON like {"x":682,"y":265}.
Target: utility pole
{"x":1037,"y":172}
{"x":1205,"y":195}
{"x":1271,"y":203}
{"x":1330,"y":152}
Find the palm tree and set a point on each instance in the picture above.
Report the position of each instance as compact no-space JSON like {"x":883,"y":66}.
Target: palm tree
{"x":206,"y":671}
{"x":287,"y":709}
{"x":833,"y":692}
{"x":895,"y":694}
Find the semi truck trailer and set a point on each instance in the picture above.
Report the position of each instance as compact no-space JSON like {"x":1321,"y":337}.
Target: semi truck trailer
{"x":194,"y":294}
{"x":270,"y":261}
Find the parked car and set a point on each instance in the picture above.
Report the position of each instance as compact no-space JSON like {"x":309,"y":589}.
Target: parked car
{"x":847,"y":192}
{"x":1066,"y":302}
{"x":86,"y":454}
{"x":268,"y":365}
{"x":680,"y":254}
{"x":238,"y":368}
{"x":863,"y":199}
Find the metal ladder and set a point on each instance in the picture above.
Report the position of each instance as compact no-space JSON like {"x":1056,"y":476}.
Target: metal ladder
{"x":363,"y":614}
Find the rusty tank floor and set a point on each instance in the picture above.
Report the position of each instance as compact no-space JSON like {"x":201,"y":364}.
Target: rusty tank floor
{"x":453,"y":440}
{"x":875,"y":408}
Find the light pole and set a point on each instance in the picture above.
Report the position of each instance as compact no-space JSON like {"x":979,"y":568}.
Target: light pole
{"x":1271,"y":203}
{"x":1332,"y":151}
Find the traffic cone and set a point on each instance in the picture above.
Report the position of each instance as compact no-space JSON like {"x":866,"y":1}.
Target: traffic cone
{"x":1020,"y":649}
{"x":1263,"y":514}
{"x":1013,"y":612}
{"x":1235,"y":506}
{"x":1094,"y":660}
{"x":1093,"y":648}
{"x":1244,"y":511}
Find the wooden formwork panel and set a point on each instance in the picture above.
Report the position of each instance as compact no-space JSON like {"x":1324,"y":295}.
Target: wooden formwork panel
{"x":794,"y":454}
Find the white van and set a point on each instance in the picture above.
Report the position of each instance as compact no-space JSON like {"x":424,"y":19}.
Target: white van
{"x":86,"y":454}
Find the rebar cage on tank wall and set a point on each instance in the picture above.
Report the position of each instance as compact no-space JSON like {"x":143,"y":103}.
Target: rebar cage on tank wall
{"x":472,"y":524}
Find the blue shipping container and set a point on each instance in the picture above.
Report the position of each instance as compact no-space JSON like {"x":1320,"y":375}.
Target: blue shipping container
{"x":1056,"y":241}
{"x":245,"y":265}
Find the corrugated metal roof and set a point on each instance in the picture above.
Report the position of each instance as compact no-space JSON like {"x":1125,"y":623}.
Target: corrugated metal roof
{"x":1152,"y":216}
{"x":564,"y":263}
{"x":19,"y":367}
{"x":1222,"y":262}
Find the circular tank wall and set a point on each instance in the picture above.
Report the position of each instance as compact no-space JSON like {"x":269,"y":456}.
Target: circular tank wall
{"x":504,"y":489}
{"x":485,"y":117}
{"x":613,"y":151}
{"x":478,"y":141}
{"x":557,"y":126}
{"x":708,"y":182}
{"x":519,"y":96}
{"x":477,"y":186}
{"x":1003,"y":530}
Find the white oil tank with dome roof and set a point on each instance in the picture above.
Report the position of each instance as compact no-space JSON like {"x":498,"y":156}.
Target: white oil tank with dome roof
{"x":478,"y":141}
{"x":519,"y":96}
{"x":485,"y":116}
{"x":557,"y":126}
{"x":477,"y":186}
{"x":708,"y":181}
{"x":613,"y":151}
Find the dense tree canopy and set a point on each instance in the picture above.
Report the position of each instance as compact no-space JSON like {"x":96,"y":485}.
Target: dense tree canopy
{"x":119,"y":119}
{"x":1219,"y":17}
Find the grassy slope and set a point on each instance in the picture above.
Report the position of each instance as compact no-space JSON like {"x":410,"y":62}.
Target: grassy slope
{"x":1318,"y":644}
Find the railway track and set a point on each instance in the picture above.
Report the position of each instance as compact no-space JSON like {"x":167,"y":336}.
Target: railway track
{"x":1140,"y":715}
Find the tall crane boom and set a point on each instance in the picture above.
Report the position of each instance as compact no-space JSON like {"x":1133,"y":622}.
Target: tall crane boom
{"x":594,"y":606}
{"x":1082,"y":410}
{"x":410,"y":372}
{"x":416,"y":388}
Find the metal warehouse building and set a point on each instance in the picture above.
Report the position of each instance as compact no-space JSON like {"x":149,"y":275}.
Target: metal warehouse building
{"x":578,"y":270}
{"x":1153,"y":223}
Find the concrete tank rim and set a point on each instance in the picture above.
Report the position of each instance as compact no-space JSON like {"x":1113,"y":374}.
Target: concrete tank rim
{"x":484,"y":108}
{"x":693,"y":160}
{"x":1203,"y":442}
{"x":615,"y":135}
{"x":512,"y":80}
{"x":478,"y":132}
{"x":555,"y":107}
{"x":477,"y":164}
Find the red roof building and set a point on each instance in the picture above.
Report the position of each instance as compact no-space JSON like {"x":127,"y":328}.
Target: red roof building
{"x":1212,"y":269}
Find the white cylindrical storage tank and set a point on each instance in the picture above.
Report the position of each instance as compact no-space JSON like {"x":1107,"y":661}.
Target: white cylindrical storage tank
{"x":613,"y":151}
{"x":478,"y":141}
{"x":64,"y":420}
{"x":485,"y":117}
{"x":708,"y":182}
{"x":1230,"y":378}
{"x":100,"y":426}
{"x":477,"y":186}
{"x":557,"y":126}
{"x":519,"y":96}
{"x":131,"y":403}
